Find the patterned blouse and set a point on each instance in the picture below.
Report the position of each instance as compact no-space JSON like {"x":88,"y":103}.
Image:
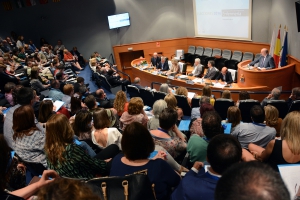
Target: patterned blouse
{"x":79,"y":164}
{"x":175,"y":146}
{"x":196,"y":127}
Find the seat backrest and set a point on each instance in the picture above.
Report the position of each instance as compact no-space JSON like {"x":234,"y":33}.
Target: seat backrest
{"x":207,"y":52}
{"x":245,"y":107}
{"x":133,"y":91}
{"x":182,"y":103}
{"x":183,"y":70}
{"x":237,"y":55}
{"x":247,"y":56}
{"x":221,"y":106}
{"x":104,"y":82}
{"x":195,"y":102}
{"x":192,"y":49}
{"x":295,"y":106}
{"x":199,"y":51}
{"x":281,"y":106}
{"x":216,"y":52}
{"x":226,"y":54}
{"x":257,"y":56}
{"x":233,"y":74}
{"x":147,"y":97}
{"x":158,"y":95}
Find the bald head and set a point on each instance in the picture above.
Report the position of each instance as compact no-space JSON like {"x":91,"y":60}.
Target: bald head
{"x":137,"y":80}
{"x":224,"y":70}
{"x":155,"y":54}
{"x":264,"y":52}
{"x":100,"y":93}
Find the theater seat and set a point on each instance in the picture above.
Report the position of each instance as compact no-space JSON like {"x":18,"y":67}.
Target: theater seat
{"x":295,"y":106}
{"x":198,"y":53}
{"x":158,"y":95}
{"x":220,"y":62}
{"x":235,"y":59}
{"x":107,"y":86}
{"x":247,"y":56}
{"x":188,"y":57}
{"x":245,"y":107}
{"x":195,"y":102}
{"x":182,"y":103}
{"x":215,"y":53}
{"x":133,"y":91}
{"x":147,"y":97}
{"x":206,"y":54}
{"x":221,"y":106}
{"x":281,"y":106}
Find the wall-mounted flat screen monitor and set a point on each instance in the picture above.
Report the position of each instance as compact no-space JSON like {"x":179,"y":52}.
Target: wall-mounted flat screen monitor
{"x":119,"y":20}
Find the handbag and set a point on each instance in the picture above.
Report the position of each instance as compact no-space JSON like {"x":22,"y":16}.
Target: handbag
{"x":131,"y":187}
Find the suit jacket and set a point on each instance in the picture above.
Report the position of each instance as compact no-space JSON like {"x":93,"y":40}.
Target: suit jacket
{"x":164,"y":67}
{"x":105,"y":103}
{"x":268,"y":63}
{"x":156,"y":61}
{"x":211,"y":72}
{"x":228,"y":77}
{"x":197,"y":70}
{"x":138,"y":86}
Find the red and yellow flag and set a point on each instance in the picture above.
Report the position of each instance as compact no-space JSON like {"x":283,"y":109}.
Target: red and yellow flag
{"x":277,"y":50}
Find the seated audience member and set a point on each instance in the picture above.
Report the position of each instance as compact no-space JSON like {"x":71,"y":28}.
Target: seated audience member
{"x":293,"y":97}
{"x":82,"y":125}
{"x":20,"y":41}
{"x":68,"y":57}
{"x":196,"y":125}
{"x":225,"y":76}
{"x":45,"y":112}
{"x":137,"y":144}
{"x":256,"y":132}
{"x":120,"y":103}
{"x":155,"y":60}
{"x":76,"y":105}
{"x":135,"y":113}
{"x":21,"y":54}
{"x":174,"y":68}
{"x":197,"y":68}
{"x":29,"y":141}
{"x":196,"y":110}
{"x":23,"y":193}
{"x":163,"y":64}
{"x":78,"y":56}
{"x":24,"y":96}
{"x":66,"y":189}
{"x":158,"y":107}
{"x":90,"y":102}
{"x":59,"y":47}
{"x":211,"y":71}
{"x":55,"y":92}
{"x":275,"y":94}
{"x":64,"y":156}
{"x":5,"y":78}
{"x":93,"y":64}
{"x":197,"y":146}
{"x":272,"y":118}
{"x":259,"y":182}
{"x":222,"y":152}
{"x":32,"y":46}
{"x":116,"y":80}
{"x":183,"y":91}
{"x":234,"y":117}
{"x":243,"y":95}
{"x":265,"y":61}
{"x":176,"y":145}
{"x":226,"y":94}
{"x":79,"y":82}
{"x":104,"y":134}
{"x":8,"y":89}
{"x":41,"y":56}
{"x":206,"y":91}
{"x":165,"y":88}
{"x":137,"y":83}
{"x":284,"y":151}
{"x":61,"y":78}
{"x":36,"y":84}
{"x":172,"y":103}
{"x":68,"y":93}
{"x":101,"y":98}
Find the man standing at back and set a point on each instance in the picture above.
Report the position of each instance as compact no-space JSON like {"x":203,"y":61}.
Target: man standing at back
{"x":265,"y":61}
{"x":155,"y":60}
{"x":256,"y":132}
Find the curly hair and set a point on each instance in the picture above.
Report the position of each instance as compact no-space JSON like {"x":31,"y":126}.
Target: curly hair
{"x":182,"y":91}
{"x":135,"y":106}
{"x":120,"y":101}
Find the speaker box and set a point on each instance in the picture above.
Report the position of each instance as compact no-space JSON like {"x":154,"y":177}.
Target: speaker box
{"x":297,"y":5}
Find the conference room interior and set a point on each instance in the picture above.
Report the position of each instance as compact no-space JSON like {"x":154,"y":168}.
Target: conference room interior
{"x":164,"y":27}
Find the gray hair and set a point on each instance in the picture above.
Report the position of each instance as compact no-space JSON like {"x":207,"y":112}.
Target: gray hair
{"x":158,"y":107}
{"x":164,"y":88}
{"x":204,"y":99}
{"x":276,"y":93}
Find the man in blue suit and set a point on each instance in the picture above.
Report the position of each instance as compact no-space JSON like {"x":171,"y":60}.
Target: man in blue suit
{"x":163,"y":65}
{"x":265,"y":61}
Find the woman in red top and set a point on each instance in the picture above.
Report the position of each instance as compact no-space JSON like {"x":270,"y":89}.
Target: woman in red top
{"x":68,"y":57}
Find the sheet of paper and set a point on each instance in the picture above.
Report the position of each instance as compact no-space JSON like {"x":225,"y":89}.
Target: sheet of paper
{"x":219,"y":85}
{"x":58,"y":104}
{"x":191,"y":95}
{"x":197,"y":80}
{"x":291,"y":177}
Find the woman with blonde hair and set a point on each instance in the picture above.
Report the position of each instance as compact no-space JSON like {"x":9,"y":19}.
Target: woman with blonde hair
{"x":183,"y":91}
{"x":226,"y":94}
{"x":172,"y":103}
{"x":206,"y":91}
{"x":65,"y":156}
{"x":120,"y":103}
{"x":234,"y":117}
{"x":284,"y":151}
{"x":174,"y":68}
{"x":272,"y":118}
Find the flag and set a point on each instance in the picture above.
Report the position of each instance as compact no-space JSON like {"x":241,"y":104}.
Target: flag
{"x":272,"y":44}
{"x":19,"y":3}
{"x":7,"y":5}
{"x":30,"y":2}
{"x":277,"y":49}
{"x":43,"y":1}
{"x":56,"y":0}
{"x":283,"y":55}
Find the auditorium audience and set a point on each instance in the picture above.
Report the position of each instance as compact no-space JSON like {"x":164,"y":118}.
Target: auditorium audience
{"x":165,"y":88}
{"x":259,"y":182}
{"x":36,"y":84}
{"x":135,"y":113}
{"x":82,"y":125}
{"x":55,"y":92}
{"x":68,"y":93}
{"x":183,"y":91}
{"x":68,"y":57}
{"x":137,"y":83}
{"x":29,"y":140}
{"x":45,"y":112}
{"x":5,"y":78}
{"x":90,"y":102}
{"x":256,"y":132}
{"x":234,"y":117}
{"x":8,"y":89}
{"x":172,"y":103}
{"x":272,"y":118}
{"x":243,"y":95}
{"x":294,"y":96}
{"x":226,"y":94}
{"x":274,"y":95}
{"x":196,"y":110}
{"x":197,"y":146}
{"x":120,"y":103}
{"x":137,"y":144}
{"x":284,"y":151}
{"x":101,"y":98}
{"x":157,"y":109}
{"x":206,"y":91}
{"x":222,"y":152}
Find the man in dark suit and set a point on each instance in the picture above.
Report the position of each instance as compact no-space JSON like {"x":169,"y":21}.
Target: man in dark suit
{"x":225,"y":76}
{"x":155,"y":60}
{"x":100,"y":96}
{"x":116,"y":80}
{"x":163,"y":65}
{"x":265,"y":61}
{"x":137,"y":83}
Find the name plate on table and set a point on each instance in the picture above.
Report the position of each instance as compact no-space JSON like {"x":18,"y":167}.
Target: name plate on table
{"x":171,"y":77}
{"x":154,"y":72}
{"x":190,"y":82}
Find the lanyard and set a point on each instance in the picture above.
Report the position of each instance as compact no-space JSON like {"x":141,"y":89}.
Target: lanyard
{"x":258,"y":124}
{"x":163,"y":130}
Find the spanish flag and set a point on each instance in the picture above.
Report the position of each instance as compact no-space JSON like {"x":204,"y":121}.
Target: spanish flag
{"x":7,"y":5}
{"x":277,"y":50}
